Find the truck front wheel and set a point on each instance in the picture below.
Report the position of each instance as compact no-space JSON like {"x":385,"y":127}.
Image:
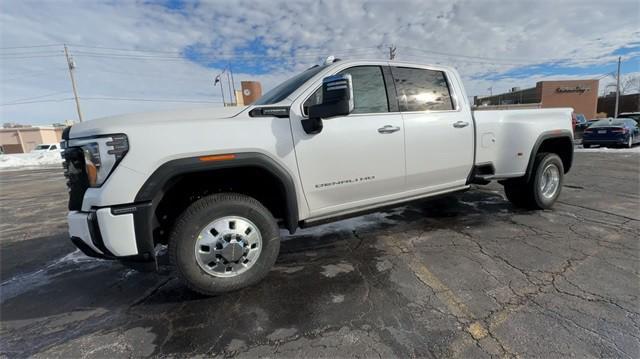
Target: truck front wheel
{"x":543,"y":187}
{"x":224,"y":242}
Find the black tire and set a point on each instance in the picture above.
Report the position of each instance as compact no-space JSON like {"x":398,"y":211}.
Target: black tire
{"x":182,"y":242}
{"x":527,"y":194}
{"x":516,"y":192}
{"x":586,"y":146}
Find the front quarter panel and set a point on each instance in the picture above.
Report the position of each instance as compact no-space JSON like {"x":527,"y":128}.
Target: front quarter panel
{"x":151,"y":145}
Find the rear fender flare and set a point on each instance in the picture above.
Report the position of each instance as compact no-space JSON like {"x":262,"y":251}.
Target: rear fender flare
{"x":555,"y":134}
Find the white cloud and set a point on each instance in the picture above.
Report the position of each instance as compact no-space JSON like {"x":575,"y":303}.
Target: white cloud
{"x":580,"y":33}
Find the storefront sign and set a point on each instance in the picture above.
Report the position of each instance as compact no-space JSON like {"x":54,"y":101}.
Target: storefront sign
{"x":578,"y":89}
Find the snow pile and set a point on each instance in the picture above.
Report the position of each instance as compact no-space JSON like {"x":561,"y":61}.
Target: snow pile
{"x":635,"y":149}
{"x":27,"y":160}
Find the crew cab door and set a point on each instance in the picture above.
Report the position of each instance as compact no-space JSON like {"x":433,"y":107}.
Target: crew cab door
{"x":356,"y":159}
{"x":439,"y":132}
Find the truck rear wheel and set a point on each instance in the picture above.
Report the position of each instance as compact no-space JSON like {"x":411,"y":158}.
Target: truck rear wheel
{"x":224,"y":242}
{"x":544,"y":186}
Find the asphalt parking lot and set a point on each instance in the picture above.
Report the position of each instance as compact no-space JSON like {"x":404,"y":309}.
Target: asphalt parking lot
{"x":464,"y":276}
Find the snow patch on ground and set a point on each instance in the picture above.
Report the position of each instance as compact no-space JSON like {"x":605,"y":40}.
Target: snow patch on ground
{"x":635,"y":149}
{"x":333,"y":270}
{"x":30,"y":160}
{"x":23,"y":282}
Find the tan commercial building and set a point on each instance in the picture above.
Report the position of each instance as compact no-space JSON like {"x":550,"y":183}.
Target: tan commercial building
{"x":581,"y":95}
{"x":25,"y":139}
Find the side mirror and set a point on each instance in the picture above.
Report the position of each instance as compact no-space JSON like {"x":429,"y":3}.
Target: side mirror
{"x":337,"y":100}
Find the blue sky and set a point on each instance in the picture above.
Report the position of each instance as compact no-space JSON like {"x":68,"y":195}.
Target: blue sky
{"x":153,"y":55}
{"x":631,"y":54}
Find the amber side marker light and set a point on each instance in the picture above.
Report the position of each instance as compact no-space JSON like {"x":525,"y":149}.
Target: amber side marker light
{"x":217,"y":158}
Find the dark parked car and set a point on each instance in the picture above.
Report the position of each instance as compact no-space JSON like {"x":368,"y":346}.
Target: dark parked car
{"x":613,"y":131}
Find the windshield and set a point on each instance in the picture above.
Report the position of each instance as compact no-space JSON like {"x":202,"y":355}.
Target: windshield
{"x":283,"y":90}
{"x":607,"y":123}
{"x":42,"y":147}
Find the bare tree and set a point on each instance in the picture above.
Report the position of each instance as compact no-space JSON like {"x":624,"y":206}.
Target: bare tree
{"x":630,"y":84}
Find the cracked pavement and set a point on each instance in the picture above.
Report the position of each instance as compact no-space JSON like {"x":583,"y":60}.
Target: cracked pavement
{"x":461,"y":276}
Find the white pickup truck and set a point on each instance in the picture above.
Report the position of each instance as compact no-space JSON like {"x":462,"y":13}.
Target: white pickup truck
{"x":337,"y":140}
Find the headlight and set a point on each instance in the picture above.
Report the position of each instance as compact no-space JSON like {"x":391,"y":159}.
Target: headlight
{"x":92,"y":163}
{"x":101,"y":155}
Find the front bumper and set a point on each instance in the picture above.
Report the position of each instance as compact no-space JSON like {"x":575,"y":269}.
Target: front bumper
{"x":120,"y":232}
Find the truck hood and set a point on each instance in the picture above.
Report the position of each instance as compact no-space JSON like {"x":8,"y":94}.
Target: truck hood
{"x":120,"y":123}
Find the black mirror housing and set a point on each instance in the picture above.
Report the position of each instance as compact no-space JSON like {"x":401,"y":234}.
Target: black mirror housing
{"x":337,"y":100}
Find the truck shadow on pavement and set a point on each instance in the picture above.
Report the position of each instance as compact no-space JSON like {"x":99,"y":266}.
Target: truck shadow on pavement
{"x":330,"y":281}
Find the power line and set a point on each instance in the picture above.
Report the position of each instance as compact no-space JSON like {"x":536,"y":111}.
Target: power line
{"x":29,"y":74}
{"x":27,"y":57}
{"x":124,"y":49}
{"x":146,"y":99}
{"x":37,"y":101}
{"x":28,"y":53}
{"x":34,"y":98}
{"x":525,"y":61}
{"x":204,"y":57}
{"x":317,"y":51}
{"x":28,"y":47}
{"x":130,"y":99}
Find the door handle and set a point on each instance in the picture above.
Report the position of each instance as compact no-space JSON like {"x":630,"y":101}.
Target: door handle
{"x":461,"y":124}
{"x":388,"y":129}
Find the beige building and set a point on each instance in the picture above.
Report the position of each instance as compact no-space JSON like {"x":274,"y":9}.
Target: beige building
{"x":24,"y":139}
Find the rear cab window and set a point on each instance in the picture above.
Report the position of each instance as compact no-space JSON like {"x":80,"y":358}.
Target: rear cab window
{"x":422,"y":89}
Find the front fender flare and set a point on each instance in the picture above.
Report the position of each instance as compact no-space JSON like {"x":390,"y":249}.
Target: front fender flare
{"x":156,"y":185}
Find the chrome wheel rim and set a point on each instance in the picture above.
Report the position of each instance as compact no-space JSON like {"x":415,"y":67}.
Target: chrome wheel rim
{"x":630,"y":141}
{"x":228,"y":246}
{"x":550,"y":181}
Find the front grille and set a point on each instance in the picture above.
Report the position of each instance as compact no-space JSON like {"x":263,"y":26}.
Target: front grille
{"x":77,"y":180}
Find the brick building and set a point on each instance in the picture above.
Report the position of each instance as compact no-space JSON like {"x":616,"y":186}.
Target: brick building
{"x":581,"y":95}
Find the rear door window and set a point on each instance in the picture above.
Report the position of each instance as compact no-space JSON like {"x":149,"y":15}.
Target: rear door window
{"x":422,"y":89}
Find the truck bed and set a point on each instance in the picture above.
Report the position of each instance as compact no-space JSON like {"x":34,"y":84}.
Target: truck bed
{"x":505,"y":138}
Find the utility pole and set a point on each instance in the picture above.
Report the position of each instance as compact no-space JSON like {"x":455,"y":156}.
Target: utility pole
{"x":231,"y":94}
{"x":392,"y":52}
{"x":72,"y":67}
{"x":233,"y":84}
{"x":617,"y":87}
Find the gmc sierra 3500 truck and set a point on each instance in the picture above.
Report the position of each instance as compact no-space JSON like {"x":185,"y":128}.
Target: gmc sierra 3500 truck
{"x":339,"y":139}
